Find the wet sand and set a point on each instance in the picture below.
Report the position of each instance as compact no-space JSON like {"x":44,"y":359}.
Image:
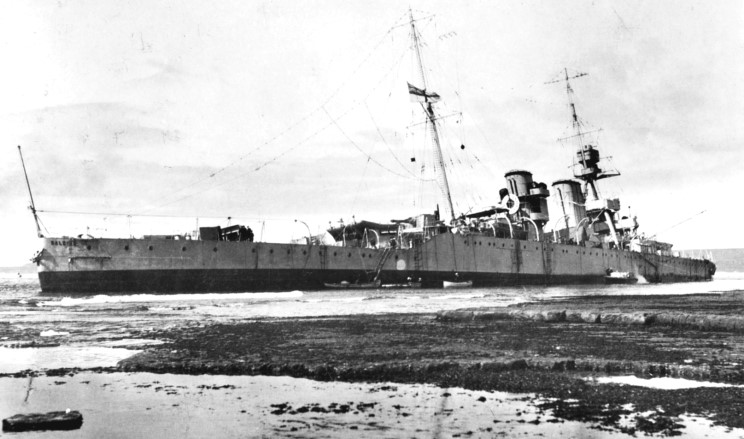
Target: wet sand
{"x":548,"y":355}
{"x":144,"y":405}
{"x":526,"y":352}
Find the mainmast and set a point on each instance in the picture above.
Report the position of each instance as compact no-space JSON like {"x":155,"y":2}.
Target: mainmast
{"x":32,"y":207}
{"x":426,"y":104}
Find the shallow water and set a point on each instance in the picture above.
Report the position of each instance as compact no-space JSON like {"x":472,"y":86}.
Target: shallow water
{"x":21,"y":296}
{"x":85,"y":356}
{"x":97,"y":321}
{"x":147,"y":405}
{"x":664,"y":383}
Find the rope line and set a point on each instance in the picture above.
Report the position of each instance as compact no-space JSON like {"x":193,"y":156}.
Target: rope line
{"x":408,"y":171}
{"x":369,"y":157}
{"x":292,"y":126}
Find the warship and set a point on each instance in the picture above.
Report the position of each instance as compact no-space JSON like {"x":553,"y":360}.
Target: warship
{"x":506,"y":244}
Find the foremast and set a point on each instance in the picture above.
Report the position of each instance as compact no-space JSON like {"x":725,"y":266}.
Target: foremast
{"x":426,"y":99}
{"x":586,"y":168}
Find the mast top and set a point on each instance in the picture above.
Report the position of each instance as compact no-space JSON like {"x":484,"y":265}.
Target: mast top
{"x":587,"y":158}
{"x":569,"y":91}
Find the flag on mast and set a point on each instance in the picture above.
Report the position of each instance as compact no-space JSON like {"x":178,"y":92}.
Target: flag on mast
{"x":419,"y":95}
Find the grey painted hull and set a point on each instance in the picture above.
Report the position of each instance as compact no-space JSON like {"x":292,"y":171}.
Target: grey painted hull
{"x":84,"y":266}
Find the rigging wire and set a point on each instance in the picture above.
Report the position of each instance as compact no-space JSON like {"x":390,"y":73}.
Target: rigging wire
{"x":129,"y":216}
{"x":382,"y":137}
{"x":259,"y":167}
{"x":359,"y":186}
{"x":679,"y":223}
{"x":296,"y":124}
{"x":306,"y":139}
{"x":103,"y":214}
{"x":369,"y":157}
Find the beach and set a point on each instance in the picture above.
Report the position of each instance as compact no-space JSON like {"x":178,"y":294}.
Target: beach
{"x":553,"y":362}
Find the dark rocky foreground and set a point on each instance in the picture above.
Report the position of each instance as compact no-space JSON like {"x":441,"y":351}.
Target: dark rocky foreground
{"x":549,"y":348}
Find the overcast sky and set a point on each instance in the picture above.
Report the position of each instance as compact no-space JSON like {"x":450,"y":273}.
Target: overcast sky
{"x":298,"y":110}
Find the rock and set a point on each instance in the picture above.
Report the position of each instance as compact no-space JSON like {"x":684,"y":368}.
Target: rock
{"x":67,"y":420}
{"x":582,"y":317}
{"x":492,"y":314}
{"x":623,"y":318}
{"x":455,"y":315}
{"x":554,"y":316}
{"x":636,"y":318}
{"x":613,"y":318}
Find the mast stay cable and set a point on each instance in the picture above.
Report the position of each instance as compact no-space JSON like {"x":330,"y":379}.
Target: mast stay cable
{"x":294,"y":125}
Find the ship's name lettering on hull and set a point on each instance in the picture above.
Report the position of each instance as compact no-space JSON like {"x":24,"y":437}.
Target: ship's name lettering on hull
{"x":70,"y":243}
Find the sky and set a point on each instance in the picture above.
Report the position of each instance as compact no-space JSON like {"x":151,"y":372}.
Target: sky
{"x":151,"y":114}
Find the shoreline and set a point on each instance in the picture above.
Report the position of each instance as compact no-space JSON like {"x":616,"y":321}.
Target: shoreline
{"x":551,"y":358}
{"x":552,"y":349}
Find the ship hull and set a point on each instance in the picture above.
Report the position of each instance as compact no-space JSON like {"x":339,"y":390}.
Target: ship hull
{"x":85,"y":266}
{"x":215,"y":280}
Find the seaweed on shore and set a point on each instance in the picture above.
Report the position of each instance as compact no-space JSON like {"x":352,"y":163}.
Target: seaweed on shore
{"x":550,"y":360}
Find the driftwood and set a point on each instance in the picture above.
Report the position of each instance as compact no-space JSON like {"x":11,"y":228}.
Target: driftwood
{"x":67,"y":420}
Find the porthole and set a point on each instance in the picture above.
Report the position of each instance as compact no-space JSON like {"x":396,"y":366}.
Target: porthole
{"x":396,"y":257}
{"x":253,"y":250}
{"x":214,"y":249}
{"x":334,"y":253}
{"x":349,"y":254}
{"x":149,"y":248}
{"x":271,"y":250}
{"x":289,"y":251}
{"x":88,"y":247}
{"x":304,"y":252}
{"x":183,"y":249}
{"x":126,"y":248}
